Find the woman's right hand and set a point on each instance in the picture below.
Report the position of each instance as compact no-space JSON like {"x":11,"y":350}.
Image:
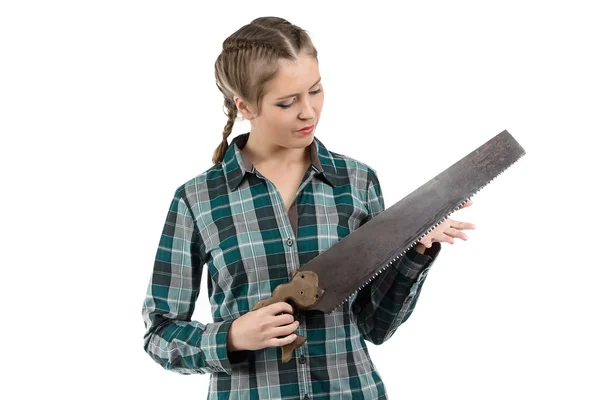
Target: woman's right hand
{"x":262,"y":328}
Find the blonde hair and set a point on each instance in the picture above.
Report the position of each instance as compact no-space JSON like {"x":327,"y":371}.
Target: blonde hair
{"x":249,"y":59}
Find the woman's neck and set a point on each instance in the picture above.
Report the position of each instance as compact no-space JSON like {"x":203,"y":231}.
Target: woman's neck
{"x":274,"y":156}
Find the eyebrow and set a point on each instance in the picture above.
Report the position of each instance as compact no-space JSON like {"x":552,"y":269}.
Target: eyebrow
{"x":297,"y":94}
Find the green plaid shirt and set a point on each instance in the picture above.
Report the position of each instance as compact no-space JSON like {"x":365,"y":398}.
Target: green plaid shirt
{"x":233,"y":220}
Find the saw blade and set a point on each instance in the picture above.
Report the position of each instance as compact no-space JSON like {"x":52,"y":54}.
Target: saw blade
{"x":358,"y":258}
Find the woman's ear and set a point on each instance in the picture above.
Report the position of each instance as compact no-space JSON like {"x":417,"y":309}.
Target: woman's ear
{"x":244,"y":108}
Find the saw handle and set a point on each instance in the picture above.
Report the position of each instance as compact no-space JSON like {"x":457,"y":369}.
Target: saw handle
{"x":301,"y":292}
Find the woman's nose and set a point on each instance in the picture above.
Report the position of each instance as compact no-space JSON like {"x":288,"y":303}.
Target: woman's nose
{"x":307,"y":111}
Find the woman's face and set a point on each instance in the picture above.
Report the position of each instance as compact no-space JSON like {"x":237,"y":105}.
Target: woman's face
{"x":293,"y":99}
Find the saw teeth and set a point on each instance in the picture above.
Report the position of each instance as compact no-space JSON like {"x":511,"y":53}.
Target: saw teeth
{"x":430,"y":229}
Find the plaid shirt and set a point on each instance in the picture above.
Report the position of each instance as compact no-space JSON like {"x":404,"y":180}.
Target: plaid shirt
{"x":233,"y":220}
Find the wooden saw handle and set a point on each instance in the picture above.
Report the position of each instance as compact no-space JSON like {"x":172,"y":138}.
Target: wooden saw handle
{"x":302,"y":291}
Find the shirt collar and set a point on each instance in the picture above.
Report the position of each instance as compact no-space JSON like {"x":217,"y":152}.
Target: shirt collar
{"x":236,"y":164}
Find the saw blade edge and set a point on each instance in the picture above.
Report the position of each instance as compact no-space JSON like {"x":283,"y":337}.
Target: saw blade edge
{"x":396,"y":257}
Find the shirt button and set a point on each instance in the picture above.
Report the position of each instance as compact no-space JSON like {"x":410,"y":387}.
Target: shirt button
{"x":302,"y":359}
{"x":290,"y":242}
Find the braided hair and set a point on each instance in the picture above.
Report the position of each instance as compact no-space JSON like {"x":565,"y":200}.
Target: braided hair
{"x":250,"y":59}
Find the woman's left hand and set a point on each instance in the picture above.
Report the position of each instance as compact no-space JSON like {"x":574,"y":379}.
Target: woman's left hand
{"x":448,"y":230}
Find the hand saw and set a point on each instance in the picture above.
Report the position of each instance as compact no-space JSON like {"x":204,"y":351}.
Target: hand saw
{"x":333,"y":276}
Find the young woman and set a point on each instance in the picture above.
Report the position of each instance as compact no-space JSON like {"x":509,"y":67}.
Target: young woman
{"x":275,"y":198}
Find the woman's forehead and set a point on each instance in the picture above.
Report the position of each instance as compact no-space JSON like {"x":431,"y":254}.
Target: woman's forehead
{"x":294,"y":77}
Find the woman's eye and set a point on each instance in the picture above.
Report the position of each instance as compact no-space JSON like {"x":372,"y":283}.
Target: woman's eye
{"x":291,"y":104}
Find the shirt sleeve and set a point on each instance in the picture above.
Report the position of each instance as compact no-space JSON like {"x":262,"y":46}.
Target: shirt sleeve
{"x":389,"y":300}
{"x":172,"y":339}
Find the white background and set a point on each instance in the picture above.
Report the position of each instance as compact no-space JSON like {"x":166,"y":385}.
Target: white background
{"x":107,"y":107}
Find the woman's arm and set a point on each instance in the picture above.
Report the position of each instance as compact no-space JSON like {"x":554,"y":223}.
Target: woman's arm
{"x":172,"y":339}
{"x":388,"y":301}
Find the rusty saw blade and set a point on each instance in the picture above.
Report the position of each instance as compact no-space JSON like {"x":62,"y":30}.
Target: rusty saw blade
{"x":351,"y":264}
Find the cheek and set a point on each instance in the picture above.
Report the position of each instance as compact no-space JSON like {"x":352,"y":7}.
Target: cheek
{"x":273,"y":118}
{"x":319,"y":105}
{"x":284,"y":119}
{"x":319,"y":108}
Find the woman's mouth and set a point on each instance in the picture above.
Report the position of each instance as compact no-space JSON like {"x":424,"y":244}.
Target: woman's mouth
{"x":307,"y":131}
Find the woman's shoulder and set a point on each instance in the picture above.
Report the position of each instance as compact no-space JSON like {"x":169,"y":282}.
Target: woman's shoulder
{"x":203,"y":186}
{"x":352,"y":168}
{"x":213,"y":174}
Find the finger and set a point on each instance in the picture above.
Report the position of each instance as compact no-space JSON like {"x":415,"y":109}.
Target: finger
{"x":455,"y":233}
{"x":467,"y":204}
{"x":447,"y":239}
{"x":442,"y":237}
{"x":462,"y":225}
{"x":278,"y":342}
{"x":283,"y":319}
{"x":282,"y":331}
{"x":280,"y":307}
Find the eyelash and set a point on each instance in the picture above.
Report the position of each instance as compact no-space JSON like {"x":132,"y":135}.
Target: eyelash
{"x":289,"y":105}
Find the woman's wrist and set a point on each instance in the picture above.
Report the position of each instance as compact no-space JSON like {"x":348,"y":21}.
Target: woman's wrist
{"x":230,"y":343}
{"x":420,"y":248}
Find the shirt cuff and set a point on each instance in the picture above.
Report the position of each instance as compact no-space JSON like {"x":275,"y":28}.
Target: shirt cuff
{"x":214,"y":348}
{"x":413,"y":264}
{"x":239,"y":356}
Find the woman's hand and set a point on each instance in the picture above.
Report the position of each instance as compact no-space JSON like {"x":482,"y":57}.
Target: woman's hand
{"x":448,"y":230}
{"x":262,"y":328}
